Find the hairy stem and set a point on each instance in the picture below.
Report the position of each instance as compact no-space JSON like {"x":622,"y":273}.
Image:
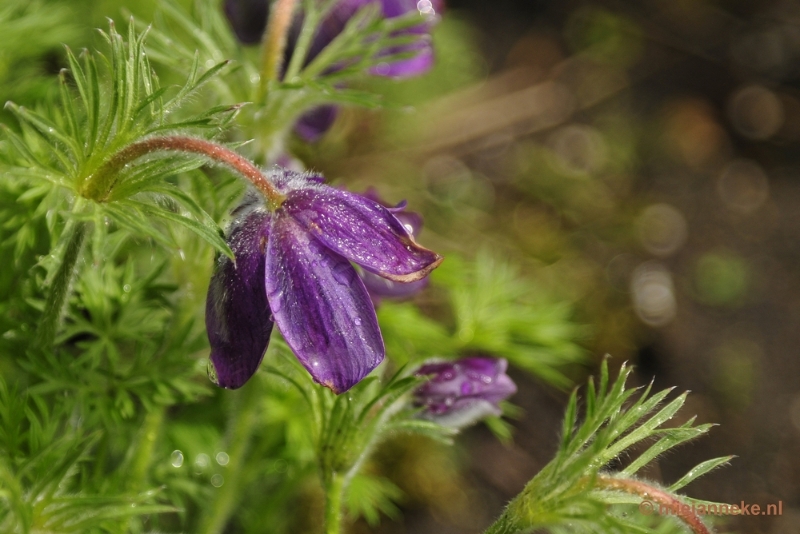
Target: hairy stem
{"x":99,"y":186}
{"x":240,"y":431}
{"x":61,"y":285}
{"x":334,"y":489}
{"x":143,"y":451}
{"x":655,"y":496}
{"x":274,"y":41}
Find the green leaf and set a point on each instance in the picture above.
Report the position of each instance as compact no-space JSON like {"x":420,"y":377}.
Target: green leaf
{"x":700,"y":470}
{"x":209,"y":232}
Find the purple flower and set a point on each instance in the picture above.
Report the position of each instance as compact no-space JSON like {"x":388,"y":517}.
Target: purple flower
{"x":293,"y":268}
{"x":379,"y":287}
{"x":248,"y":18}
{"x":464,"y":391}
{"x":313,"y":124}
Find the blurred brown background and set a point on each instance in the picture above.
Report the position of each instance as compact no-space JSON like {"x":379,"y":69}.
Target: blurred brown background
{"x":640,"y":159}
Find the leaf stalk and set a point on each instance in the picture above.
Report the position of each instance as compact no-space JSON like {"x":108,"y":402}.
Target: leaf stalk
{"x":99,"y":185}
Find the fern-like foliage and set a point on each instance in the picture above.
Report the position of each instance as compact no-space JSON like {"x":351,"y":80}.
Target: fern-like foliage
{"x":329,"y":78}
{"x":22,"y":69}
{"x":495,"y":311}
{"x":108,"y":102}
{"x":42,"y":486}
{"x":577,"y":492}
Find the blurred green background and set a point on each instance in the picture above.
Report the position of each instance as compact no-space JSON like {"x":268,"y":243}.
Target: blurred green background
{"x":638,"y":160}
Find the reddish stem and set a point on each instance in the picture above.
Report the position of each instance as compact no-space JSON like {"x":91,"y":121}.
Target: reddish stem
{"x":657,"y":496}
{"x":99,"y":185}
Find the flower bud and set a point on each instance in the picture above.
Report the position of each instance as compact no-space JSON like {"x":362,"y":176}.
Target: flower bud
{"x":462,"y":392}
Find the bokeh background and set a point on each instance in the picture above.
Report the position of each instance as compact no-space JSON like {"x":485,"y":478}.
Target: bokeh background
{"x":641,"y":160}
{"x":638,"y":160}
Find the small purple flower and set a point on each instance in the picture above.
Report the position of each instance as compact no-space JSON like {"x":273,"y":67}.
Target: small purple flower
{"x":464,"y":391}
{"x":248,"y":18}
{"x":379,"y":287}
{"x":293,"y":268}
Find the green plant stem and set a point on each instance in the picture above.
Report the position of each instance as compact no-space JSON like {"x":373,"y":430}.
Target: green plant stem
{"x":310,"y":23}
{"x":143,"y":451}
{"x":240,"y":431}
{"x":61,"y":285}
{"x":334,"y":489}
{"x":274,"y":41}
{"x":100,"y":184}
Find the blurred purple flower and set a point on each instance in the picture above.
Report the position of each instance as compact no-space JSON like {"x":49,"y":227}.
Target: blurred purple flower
{"x":293,"y":268}
{"x":313,"y":124}
{"x":248,"y":18}
{"x":464,"y":391}
{"x":379,"y":287}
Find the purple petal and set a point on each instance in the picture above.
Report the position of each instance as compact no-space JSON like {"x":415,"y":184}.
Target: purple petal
{"x":321,"y":307}
{"x":422,"y":61}
{"x":412,"y":221}
{"x":380,"y":288}
{"x":404,"y":68}
{"x":362,"y":231}
{"x":397,"y":8}
{"x":237,"y":313}
{"x":313,"y":124}
{"x":248,"y":18}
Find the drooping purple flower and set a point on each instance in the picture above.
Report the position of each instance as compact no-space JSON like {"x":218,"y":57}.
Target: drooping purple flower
{"x":464,"y":391}
{"x":293,"y":268}
{"x":248,"y":18}
{"x":379,"y":287}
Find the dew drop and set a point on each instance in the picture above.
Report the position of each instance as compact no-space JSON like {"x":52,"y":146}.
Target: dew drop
{"x":217,"y":480}
{"x":201,"y":462}
{"x":357,"y":320}
{"x":176,"y":458}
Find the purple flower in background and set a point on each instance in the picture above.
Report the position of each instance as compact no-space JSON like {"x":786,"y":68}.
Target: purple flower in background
{"x":293,"y":268}
{"x":464,"y":391}
{"x":313,"y":124}
{"x":248,"y":18}
{"x":379,"y":287}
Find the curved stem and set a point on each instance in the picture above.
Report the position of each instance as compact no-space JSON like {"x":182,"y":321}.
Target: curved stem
{"x":100,"y":184}
{"x":274,"y":41}
{"x":334,"y":488}
{"x":657,"y":496}
{"x":61,"y":285}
